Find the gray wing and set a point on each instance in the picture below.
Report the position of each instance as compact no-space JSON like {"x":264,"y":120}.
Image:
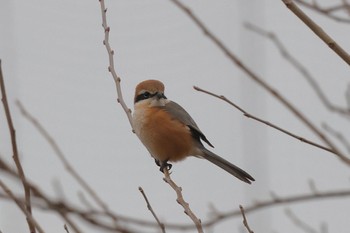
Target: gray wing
{"x":177,"y":112}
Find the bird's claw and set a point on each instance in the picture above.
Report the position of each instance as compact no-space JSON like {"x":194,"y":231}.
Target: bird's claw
{"x":165,"y":165}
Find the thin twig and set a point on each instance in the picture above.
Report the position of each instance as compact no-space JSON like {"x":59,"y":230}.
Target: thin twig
{"x":245,"y":222}
{"x":111,"y":68}
{"x":15,"y":151}
{"x":66,"y":228}
{"x":182,"y":201}
{"x":94,"y":217}
{"x":301,"y":68}
{"x":64,"y":160}
{"x":22,"y":207}
{"x":338,"y":136}
{"x":250,"y":116}
{"x":161,"y":225}
{"x":298,"y":222}
{"x":329,"y":10}
{"x":276,"y":202}
{"x":64,"y":209}
{"x":318,"y":31}
{"x":235,"y":60}
{"x":54,"y":206}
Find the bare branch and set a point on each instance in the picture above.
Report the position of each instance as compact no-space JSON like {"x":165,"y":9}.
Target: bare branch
{"x":298,"y":222}
{"x":329,"y":10}
{"x":22,"y":207}
{"x":161,"y":225}
{"x":66,"y":228}
{"x":38,"y":194}
{"x":111,"y":68}
{"x":248,"y":115}
{"x":63,"y":159}
{"x":15,"y":151}
{"x":302,"y":69}
{"x":276,"y":202}
{"x":182,"y":202}
{"x":337,"y":135}
{"x":347,"y":96}
{"x":94,"y":216}
{"x":318,"y":30}
{"x":234,"y":59}
{"x":245,"y":222}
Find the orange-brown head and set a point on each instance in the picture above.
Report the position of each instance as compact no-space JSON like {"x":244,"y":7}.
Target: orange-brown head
{"x":149,"y":89}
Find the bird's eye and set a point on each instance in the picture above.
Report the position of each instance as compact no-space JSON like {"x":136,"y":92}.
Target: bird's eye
{"x":146,"y":95}
{"x":143,"y":96}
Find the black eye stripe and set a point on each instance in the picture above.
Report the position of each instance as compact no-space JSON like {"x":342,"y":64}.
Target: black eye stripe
{"x":147,"y":95}
{"x":143,"y":96}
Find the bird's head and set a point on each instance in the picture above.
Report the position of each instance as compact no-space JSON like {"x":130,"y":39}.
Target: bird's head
{"x":150,"y":92}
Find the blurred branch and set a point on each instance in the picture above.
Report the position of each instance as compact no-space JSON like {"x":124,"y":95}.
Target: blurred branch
{"x":29,"y":215}
{"x":278,"y":201}
{"x":15,"y":156}
{"x":245,"y":222}
{"x":63,"y":159}
{"x":234,"y":59}
{"x":66,"y":228}
{"x":95,"y":217}
{"x":317,"y":30}
{"x":328,"y":11}
{"x":347,"y":96}
{"x":248,"y":115}
{"x":182,"y":202}
{"x":161,"y":225}
{"x":302,"y":69}
{"x":340,"y":137}
{"x":299,"y":223}
{"x":111,"y":68}
{"x":63,"y":208}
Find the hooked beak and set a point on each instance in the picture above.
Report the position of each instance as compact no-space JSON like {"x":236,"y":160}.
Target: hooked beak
{"x":160,"y":96}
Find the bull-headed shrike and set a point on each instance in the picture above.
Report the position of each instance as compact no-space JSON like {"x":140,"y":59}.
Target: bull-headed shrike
{"x":169,"y":132}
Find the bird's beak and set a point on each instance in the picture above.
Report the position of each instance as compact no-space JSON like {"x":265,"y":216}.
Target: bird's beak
{"x":160,"y":96}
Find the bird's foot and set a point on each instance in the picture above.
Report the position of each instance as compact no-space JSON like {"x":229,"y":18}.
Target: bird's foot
{"x":165,"y":165}
{"x":157,"y":162}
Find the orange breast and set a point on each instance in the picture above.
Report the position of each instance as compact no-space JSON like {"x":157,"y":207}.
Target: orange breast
{"x":165,"y":138}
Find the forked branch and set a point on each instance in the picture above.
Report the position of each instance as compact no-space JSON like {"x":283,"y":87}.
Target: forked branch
{"x":15,"y":152}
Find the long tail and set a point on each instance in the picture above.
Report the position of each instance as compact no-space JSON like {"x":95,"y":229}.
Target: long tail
{"x":227,"y":166}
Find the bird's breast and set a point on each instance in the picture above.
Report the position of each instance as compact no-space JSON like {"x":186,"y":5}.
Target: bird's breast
{"x":166,"y":138}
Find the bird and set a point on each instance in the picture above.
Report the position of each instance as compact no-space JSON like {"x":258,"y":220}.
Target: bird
{"x":169,"y":133}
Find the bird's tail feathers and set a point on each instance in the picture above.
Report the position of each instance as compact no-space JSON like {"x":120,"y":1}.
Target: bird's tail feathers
{"x":227,"y":166}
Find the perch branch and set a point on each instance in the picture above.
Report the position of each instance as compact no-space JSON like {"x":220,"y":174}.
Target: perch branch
{"x":111,"y":67}
{"x":182,"y":202}
{"x":128,"y":112}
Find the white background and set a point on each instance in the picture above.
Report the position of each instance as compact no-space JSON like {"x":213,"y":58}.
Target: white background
{"x":54,"y":62}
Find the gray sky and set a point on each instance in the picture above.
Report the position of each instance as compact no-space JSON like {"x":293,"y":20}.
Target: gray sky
{"x":54,"y":62}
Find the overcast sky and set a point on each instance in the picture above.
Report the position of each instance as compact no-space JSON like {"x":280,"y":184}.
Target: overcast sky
{"x":54,"y":62}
